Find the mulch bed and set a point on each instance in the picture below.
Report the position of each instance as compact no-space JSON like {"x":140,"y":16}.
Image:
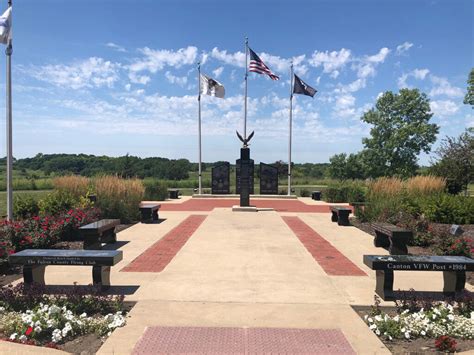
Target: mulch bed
{"x":415,"y":346}
{"x":467,"y":231}
{"x":9,"y":274}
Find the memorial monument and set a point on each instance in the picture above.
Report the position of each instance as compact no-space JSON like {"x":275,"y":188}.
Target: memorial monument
{"x":221,"y":179}
{"x":244,"y":171}
{"x":268,"y":179}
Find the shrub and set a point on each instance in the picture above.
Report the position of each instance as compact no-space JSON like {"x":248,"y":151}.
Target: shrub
{"x":6,"y":248}
{"x":119,"y":198}
{"x":25,"y":206}
{"x":77,"y":186}
{"x":457,"y":246}
{"x":344,"y":192}
{"x":445,"y":208}
{"x":446,"y":344}
{"x":304,"y":193}
{"x":155,"y":190}
{"x":56,"y":202}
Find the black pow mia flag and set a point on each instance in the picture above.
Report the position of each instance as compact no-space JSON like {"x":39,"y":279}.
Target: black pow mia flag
{"x":300,"y":87}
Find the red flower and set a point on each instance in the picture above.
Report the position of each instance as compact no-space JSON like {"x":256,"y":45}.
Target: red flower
{"x":29,"y":331}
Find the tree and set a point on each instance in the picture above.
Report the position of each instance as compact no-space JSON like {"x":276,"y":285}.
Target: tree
{"x":469,"y":98}
{"x":401,"y":130}
{"x":456,"y":161}
{"x":347,"y":166}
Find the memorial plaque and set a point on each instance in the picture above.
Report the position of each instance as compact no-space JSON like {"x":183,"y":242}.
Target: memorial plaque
{"x":238,"y":174}
{"x":268,"y":179}
{"x":221,"y":179}
{"x":66,"y":257}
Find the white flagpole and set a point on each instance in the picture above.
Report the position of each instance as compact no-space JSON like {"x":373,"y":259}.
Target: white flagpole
{"x":199,"y":100}
{"x":290,"y":130}
{"x":8,"y":52}
{"x":246,"y":76}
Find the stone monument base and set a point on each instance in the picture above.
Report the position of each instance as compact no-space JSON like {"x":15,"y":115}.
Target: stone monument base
{"x":237,"y":208}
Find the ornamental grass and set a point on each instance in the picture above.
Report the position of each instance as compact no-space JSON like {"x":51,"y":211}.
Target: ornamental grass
{"x":77,"y":186}
{"x":425,"y":185}
{"x":119,"y":198}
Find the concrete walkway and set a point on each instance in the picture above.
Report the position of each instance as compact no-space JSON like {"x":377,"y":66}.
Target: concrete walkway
{"x":245,"y":270}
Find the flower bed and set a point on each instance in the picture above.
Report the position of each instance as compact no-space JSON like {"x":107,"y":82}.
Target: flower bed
{"x":30,"y":316}
{"x":42,"y":232}
{"x":440,"y":325}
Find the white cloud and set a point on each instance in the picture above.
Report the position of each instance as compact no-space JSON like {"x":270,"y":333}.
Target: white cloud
{"x":441,"y":86}
{"x":379,"y":57}
{"x":138,"y":79}
{"x":116,"y":47}
{"x":236,"y":59}
{"x":89,"y":73}
{"x":217,"y":72}
{"x":154,"y":60}
{"x":330,"y":61}
{"x":180,"y":80}
{"x":419,"y":74}
{"x":403,"y":48}
{"x":444,"y":108}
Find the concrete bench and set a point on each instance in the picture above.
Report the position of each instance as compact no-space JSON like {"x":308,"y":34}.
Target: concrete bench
{"x":316,"y":195}
{"x":34,"y":262}
{"x":99,"y":232}
{"x":453,"y":267}
{"x":149,"y":212}
{"x":340,"y":215}
{"x":392,"y":238}
{"x":173,"y":193}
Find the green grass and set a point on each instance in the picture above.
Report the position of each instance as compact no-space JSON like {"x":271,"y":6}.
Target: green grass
{"x":3,"y":198}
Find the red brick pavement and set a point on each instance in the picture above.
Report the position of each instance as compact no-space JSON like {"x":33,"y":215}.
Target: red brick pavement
{"x":196,"y":204}
{"x":160,"y":254}
{"x":203,"y":340}
{"x":327,"y":256}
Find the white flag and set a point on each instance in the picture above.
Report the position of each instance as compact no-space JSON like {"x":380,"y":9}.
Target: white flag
{"x":211,"y":87}
{"x":6,"y":26}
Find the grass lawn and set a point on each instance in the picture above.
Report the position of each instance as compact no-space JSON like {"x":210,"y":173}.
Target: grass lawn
{"x":3,"y":197}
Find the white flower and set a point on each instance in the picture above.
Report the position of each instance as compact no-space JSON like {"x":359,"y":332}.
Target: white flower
{"x":377,"y":332}
{"x":378,"y":318}
{"x":37,"y":329}
{"x":23,"y":338}
{"x":56,"y":336}
{"x":390,"y":338}
{"x":13,"y":336}
{"x":423,"y":333}
{"x":403,"y":330}
{"x":2,"y":309}
{"x":372,"y":327}
{"x":396,"y":318}
{"x":472,"y":315}
{"x":450,"y":317}
{"x":83,"y":315}
{"x":370,"y":320}
{"x":407,"y":335}
{"x":53,"y":309}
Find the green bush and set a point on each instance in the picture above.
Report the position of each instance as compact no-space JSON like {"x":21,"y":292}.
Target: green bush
{"x":155,"y":190}
{"x":304,"y":193}
{"x":345,"y":192}
{"x":25,"y":206}
{"x":56,"y":202}
{"x":451,"y":209}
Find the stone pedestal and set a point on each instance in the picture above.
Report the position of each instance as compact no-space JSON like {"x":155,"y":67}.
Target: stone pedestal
{"x":244,"y":166}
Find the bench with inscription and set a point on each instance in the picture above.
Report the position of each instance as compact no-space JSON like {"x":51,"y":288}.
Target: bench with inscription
{"x":34,"y":262}
{"x":99,"y":232}
{"x":149,"y":212}
{"x":392,"y":238}
{"x":174,"y":193}
{"x":340,"y":215}
{"x":453,"y":267}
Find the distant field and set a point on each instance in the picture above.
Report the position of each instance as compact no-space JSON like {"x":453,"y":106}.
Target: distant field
{"x":3,"y":198}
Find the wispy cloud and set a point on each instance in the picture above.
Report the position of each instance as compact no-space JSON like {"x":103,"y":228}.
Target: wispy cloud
{"x":403,"y":48}
{"x":116,"y":47}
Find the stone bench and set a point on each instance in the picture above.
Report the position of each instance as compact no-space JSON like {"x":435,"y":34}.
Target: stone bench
{"x":173,"y":193}
{"x":99,"y":232}
{"x":316,"y":195}
{"x":149,"y":212}
{"x":453,"y":267}
{"x":34,"y":262}
{"x":392,"y":238}
{"x":340,"y":215}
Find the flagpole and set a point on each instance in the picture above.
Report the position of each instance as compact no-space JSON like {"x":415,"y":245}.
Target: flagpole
{"x":199,"y":120}
{"x":8,"y":52}
{"x":290,"y":130}
{"x":246,"y":77}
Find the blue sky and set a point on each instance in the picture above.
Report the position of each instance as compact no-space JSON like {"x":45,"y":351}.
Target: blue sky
{"x":118,"y":77}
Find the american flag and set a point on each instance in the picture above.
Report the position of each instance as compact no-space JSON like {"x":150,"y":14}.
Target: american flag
{"x":258,"y":66}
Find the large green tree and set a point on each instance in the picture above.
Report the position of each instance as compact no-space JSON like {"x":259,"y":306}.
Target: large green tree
{"x":400,"y":131}
{"x":469,"y":98}
{"x":456,"y":161}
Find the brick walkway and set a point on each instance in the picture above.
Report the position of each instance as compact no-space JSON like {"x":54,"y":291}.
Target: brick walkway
{"x":160,"y":254}
{"x":328,"y":257}
{"x":209,"y":204}
{"x":202,"y":340}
